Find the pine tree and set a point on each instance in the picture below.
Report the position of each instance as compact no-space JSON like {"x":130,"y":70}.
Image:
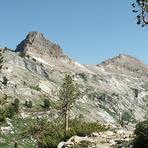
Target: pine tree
{"x":68,"y":94}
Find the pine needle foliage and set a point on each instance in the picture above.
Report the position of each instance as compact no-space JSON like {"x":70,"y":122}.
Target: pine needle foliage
{"x":68,"y":94}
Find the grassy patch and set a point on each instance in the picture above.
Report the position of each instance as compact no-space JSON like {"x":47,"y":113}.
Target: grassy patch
{"x":10,"y":138}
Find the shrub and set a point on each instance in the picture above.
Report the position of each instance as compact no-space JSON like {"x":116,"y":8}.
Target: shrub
{"x":28,"y":56}
{"x":3,"y":100}
{"x":12,"y":108}
{"x":37,"y":88}
{"x":5,"y":80}
{"x":33,"y":59}
{"x":28,"y":104}
{"x":10,"y":111}
{"x":126,"y":116}
{"x":141,"y":131}
{"x":49,"y":134}
{"x":15,"y":144}
{"x":2,"y":115}
{"x":83,"y":76}
{"x":22,"y":54}
{"x":16,"y":105}
{"x":82,"y":128}
{"x":46,"y":104}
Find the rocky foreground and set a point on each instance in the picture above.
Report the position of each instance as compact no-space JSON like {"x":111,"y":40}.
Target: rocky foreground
{"x":117,"y":137}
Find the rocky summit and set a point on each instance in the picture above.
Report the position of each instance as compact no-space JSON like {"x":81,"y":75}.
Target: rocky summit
{"x":36,"y":44}
{"x":116,"y":88}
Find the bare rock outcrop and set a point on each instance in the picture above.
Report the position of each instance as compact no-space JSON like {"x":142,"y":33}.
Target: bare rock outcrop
{"x":37,"y":45}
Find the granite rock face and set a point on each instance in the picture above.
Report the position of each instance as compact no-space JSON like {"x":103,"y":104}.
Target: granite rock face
{"x":36,"y":44}
{"x":126,"y":64}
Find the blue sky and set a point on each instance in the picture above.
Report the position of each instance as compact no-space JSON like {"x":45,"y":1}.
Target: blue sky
{"x":89,"y":31}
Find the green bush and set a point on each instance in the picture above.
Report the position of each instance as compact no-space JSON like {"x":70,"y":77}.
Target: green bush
{"x":10,"y":111}
{"x":28,"y":104}
{"x":46,"y":134}
{"x":49,"y":134}
{"x":37,"y":88}
{"x":16,"y":105}
{"x":3,"y":115}
{"x":5,"y":80}
{"x":3,"y":100}
{"x":141,"y":131}
{"x":12,"y":108}
{"x":81,"y":128}
{"x":46,"y":104}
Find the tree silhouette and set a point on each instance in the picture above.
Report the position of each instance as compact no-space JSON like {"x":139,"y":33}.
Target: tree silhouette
{"x":1,"y":59}
{"x":141,"y":8}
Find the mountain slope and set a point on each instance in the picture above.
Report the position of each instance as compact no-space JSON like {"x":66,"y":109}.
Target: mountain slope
{"x":112,"y":88}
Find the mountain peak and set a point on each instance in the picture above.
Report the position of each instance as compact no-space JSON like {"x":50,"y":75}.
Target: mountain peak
{"x":32,"y":36}
{"x":37,"y":45}
{"x":122,"y":59}
{"x":126,"y":62}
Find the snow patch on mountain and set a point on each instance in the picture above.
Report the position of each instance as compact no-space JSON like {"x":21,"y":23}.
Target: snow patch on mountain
{"x":42,"y":61}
